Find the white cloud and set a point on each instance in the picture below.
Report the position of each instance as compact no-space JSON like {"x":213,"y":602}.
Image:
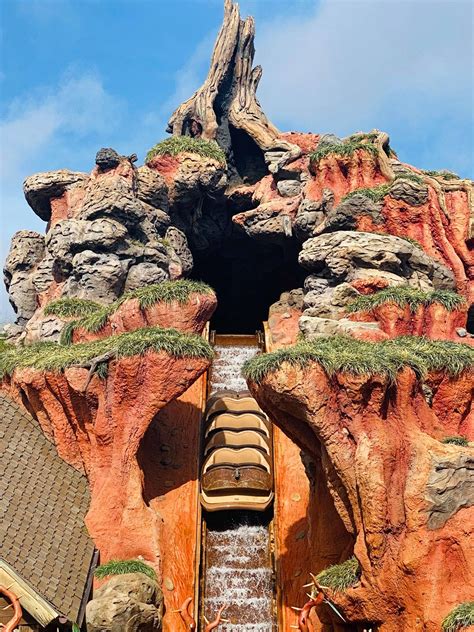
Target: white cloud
{"x":352,"y":65}
{"x":55,"y":128}
{"x":79,"y":106}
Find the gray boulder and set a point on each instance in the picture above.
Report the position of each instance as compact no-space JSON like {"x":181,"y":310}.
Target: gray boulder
{"x":409,"y":191}
{"x":40,"y":188}
{"x":346,"y":255}
{"x":450,"y":486}
{"x":26,"y":253}
{"x":96,"y":276}
{"x":143,"y":274}
{"x":126,"y":603}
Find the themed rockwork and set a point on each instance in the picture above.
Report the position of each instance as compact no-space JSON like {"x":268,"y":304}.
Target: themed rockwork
{"x":361,"y":223}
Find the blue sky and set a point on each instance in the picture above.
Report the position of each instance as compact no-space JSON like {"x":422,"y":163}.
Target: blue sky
{"x":77,"y":75}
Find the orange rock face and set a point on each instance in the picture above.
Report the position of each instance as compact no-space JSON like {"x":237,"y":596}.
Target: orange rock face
{"x":99,"y":430}
{"x":434,"y":321}
{"x":190,"y":317}
{"x":377,"y":454}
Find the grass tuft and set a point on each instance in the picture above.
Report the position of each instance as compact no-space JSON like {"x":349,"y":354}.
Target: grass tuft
{"x":403,"y":295}
{"x":49,"y":356}
{"x":446,"y":175}
{"x":374,"y":193}
{"x":344,"y":354}
{"x":165,"y":292}
{"x":340,"y":577}
{"x":346,"y":149}
{"x":179,"y":144}
{"x":461,"y":617}
{"x":456,"y":440}
{"x":378,"y":192}
{"x":121,"y":567}
{"x":67,"y":307}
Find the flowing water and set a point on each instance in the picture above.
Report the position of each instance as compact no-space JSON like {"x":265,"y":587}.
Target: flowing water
{"x":239,"y":572}
{"x":227,"y":366}
{"x":238,"y":569}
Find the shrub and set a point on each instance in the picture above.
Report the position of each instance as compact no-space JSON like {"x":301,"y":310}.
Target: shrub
{"x":179,"y":144}
{"x":403,"y":295}
{"x":165,"y":292}
{"x":49,"y":356}
{"x":66,"y":307}
{"x":446,"y":175}
{"x":340,"y":577}
{"x":121,"y":567}
{"x":461,"y":617}
{"x":456,"y":440}
{"x":345,"y":149}
{"x":346,"y":354}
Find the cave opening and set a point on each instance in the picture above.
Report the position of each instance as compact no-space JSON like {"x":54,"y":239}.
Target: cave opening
{"x":248,"y":275}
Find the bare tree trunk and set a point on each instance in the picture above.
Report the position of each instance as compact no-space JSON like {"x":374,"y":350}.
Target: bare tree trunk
{"x":231,"y":85}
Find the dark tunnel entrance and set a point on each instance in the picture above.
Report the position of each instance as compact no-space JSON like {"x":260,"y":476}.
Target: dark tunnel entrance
{"x":248,"y":276}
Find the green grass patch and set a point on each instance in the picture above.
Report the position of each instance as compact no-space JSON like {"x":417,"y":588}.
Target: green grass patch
{"x":373,"y":193}
{"x":456,"y":440}
{"x":378,"y":192}
{"x":340,"y":577}
{"x":346,"y":149}
{"x":67,"y":307}
{"x":344,"y":354}
{"x":404,"y":295}
{"x":166,"y":292}
{"x":446,"y":175}
{"x":176,"y":145}
{"x":4,"y":345}
{"x":49,"y":356}
{"x":461,"y":617}
{"x":121,"y":567}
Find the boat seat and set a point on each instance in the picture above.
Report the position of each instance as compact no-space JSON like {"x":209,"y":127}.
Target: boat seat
{"x":239,"y":439}
{"x":242,"y":422}
{"x":235,"y":457}
{"x":232,"y":404}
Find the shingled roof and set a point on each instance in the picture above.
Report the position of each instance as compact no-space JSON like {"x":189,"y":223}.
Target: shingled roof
{"x":43,"y":501}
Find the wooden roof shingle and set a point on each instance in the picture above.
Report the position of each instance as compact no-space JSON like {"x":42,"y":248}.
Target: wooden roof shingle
{"x":43,"y":501}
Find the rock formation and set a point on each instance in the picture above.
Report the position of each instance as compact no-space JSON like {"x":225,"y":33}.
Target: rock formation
{"x":327,"y":236}
{"x":131,"y":602}
{"x":404,"y":497}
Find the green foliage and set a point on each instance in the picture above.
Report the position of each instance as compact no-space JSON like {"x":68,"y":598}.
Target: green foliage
{"x":340,"y":577}
{"x":121,"y":567}
{"x":165,"y":292}
{"x":370,"y":137}
{"x":4,"y":345}
{"x":49,"y":356}
{"x":374,"y":193}
{"x":178,"y":144}
{"x":461,"y":617}
{"x":403,"y":295}
{"x":456,"y":440}
{"x":346,"y":354}
{"x":346,"y":149}
{"x":378,"y":192}
{"x":446,"y":175}
{"x":75,"y":628}
{"x":409,"y":175}
{"x":66,"y":307}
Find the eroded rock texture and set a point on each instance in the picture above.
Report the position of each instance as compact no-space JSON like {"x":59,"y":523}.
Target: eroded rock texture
{"x":131,"y":602}
{"x":405,"y":498}
{"x":308,"y":223}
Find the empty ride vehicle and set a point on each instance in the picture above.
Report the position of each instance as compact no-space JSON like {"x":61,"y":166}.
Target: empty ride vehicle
{"x":237,"y":470}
